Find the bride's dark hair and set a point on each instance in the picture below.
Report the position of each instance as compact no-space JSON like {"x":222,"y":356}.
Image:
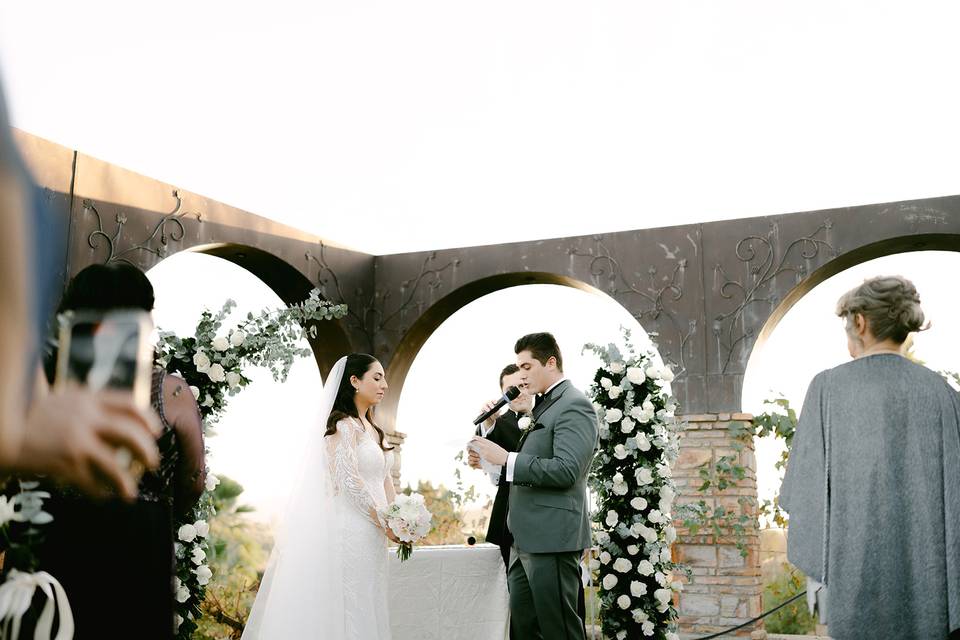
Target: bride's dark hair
{"x":343,"y":407}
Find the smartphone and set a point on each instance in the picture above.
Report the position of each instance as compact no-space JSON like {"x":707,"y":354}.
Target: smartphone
{"x":108,"y":350}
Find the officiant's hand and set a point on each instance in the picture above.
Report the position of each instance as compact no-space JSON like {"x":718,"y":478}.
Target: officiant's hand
{"x":473,"y":460}
{"x":489,"y":451}
{"x":492,"y":420}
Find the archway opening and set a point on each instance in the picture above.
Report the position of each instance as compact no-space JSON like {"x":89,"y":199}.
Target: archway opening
{"x":806,"y":337}
{"x":258,"y":438}
{"x":457,"y":368}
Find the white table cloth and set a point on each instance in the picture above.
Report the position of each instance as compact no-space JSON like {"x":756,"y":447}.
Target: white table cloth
{"x":449,"y":593}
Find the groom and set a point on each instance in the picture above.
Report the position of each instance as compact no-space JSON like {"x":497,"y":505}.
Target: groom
{"x":548,"y":514}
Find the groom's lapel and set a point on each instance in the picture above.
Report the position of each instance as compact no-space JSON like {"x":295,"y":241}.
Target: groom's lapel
{"x":555,"y":395}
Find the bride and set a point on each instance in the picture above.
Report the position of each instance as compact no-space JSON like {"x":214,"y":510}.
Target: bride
{"x":327,"y":575}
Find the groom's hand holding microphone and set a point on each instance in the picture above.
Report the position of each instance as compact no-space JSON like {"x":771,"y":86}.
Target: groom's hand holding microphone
{"x":480,"y":448}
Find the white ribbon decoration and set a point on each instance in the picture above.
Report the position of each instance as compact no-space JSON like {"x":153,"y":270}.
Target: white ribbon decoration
{"x":16,"y":595}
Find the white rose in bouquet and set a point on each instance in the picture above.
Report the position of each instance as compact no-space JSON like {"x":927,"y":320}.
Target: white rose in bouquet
{"x":638,"y":589}
{"x":665,"y":554}
{"x":623,"y":602}
{"x":606,"y":383}
{"x":645,"y":568}
{"x":648,"y":534}
{"x":664,"y":596}
{"x":638,"y":503}
{"x":524,"y":422}
{"x":620,"y":452}
{"x":670,"y":534}
{"x":233,"y":379}
{"x":666,"y":374}
{"x":201,"y":361}
{"x":609,"y":581}
{"x":635,"y":375}
{"x":643,"y":443}
{"x":216,"y":373}
{"x":198,"y":556}
{"x":633,"y":549}
{"x":644,"y":475}
{"x":202,"y":528}
{"x":612,"y":518}
{"x":605,"y":557}
{"x":614,"y":392}
{"x":212,"y":482}
{"x":622,"y":565}
{"x":187,"y":533}
{"x":613,"y":415}
{"x":602,"y":537}
{"x":195,"y":391}
{"x":203,"y":574}
{"x":655,"y":516}
{"x":220,"y":344}
{"x":238,"y":337}
{"x":627,"y":425}
{"x":648,"y":628}
{"x":639,"y":615}
{"x":616,"y":367}
{"x":180,"y":590}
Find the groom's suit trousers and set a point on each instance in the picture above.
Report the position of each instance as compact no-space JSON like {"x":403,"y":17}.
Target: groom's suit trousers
{"x":544,"y":589}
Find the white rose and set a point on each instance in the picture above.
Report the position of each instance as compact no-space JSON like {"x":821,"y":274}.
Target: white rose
{"x":664,"y":596}
{"x":202,"y":528}
{"x":623,"y":601}
{"x":177,"y":621}
{"x":627,"y":425}
{"x":614,"y":392}
{"x":638,"y":503}
{"x":645,"y":568}
{"x":622,"y":565}
{"x":524,"y":422}
{"x":667,"y":493}
{"x":664,"y":470}
{"x":633,"y":549}
{"x":612,"y":518}
{"x":637,"y":529}
{"x":647,"y":628}
{"x":620,"y":488}
{"x":621,"y":635}
{"x":670,"y":635}
{"x":606,"y":383}
{"x":195,"y":391}
{"x":616,"y":367}
{"x":670,"y":534}
{"x":605,"y":557}
{"x":648,"y":534}
{"x":603,"y":537}
{"x":635,"y":375}
{"x":604,"y":431}
{"x":203,"y":574}
{"x":233,"y":380}
{"x":665,"y":374}
{"x":660,"y":578}
{"x":638,"y":589}
{"x":201,"y":361}
{"x":652,"y":371}
{"x":216,"y":373}
{"x":613,"y":415}
{"x":620,"y":452}
{"x":609,"y":581}
{"x":644,"y":475}
{"x":639,"y":615}
{"x":183,"y":594}
{"x":212,"y":482}
{"x":187,"y":533}
{"x":643,"y":443}
{"x":237,"y":338}
{"x":665,"y":555}
{"x":655,"y":516}
{"x":198,"y":556}
{"x":220,"y":344}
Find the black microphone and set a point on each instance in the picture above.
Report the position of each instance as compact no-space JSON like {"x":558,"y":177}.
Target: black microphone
{"x":510,"y":394}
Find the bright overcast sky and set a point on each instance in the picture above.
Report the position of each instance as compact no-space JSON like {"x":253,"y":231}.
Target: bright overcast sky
{"x":395,"y":126}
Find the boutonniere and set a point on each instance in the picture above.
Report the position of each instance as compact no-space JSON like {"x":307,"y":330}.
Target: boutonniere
{"x":525,"y":422}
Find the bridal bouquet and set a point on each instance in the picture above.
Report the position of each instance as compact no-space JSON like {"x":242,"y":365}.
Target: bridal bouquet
{"x":409,"y":518}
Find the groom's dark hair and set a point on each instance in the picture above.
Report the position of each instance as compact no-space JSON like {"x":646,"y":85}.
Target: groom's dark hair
{"x":542,"y":346}
{"x":508,"y":370}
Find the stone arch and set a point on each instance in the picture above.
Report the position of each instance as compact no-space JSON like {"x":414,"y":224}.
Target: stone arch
{"x":290,"y":285}
{"x":842,"y":262}
{"x":425,"y":325}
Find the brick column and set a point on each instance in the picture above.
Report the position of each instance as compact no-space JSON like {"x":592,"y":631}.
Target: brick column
{"x":725,"y":588}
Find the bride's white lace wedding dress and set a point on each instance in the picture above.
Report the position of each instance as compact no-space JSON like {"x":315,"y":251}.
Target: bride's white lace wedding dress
{"x":359,"y":468}
{"x":327,"y":575}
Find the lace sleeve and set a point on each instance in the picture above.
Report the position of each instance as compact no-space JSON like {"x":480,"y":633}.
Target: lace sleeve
{"x":342,"y":454}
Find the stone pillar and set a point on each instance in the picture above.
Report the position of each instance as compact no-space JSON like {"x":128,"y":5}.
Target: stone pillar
{"x":395,"y":439}
{"x":725,"y":588}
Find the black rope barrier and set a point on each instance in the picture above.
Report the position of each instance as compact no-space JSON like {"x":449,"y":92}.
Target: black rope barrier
{"x":750,"y":622}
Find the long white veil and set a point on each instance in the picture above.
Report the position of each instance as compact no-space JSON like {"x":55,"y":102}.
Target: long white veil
{"x":301,"y":594}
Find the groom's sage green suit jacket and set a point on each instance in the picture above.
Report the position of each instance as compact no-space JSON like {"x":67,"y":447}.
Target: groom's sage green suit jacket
{"x":548,"y":510}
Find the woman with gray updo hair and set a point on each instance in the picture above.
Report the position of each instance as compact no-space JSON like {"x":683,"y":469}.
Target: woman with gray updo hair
{"x":888,"y":305}
{"x":873,"y":482}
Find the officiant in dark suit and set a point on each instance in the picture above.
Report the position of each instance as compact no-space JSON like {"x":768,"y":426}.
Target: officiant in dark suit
{"x":504,"y":431}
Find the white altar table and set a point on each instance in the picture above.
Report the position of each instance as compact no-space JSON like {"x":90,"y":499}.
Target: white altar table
{"x":449,"y":593}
